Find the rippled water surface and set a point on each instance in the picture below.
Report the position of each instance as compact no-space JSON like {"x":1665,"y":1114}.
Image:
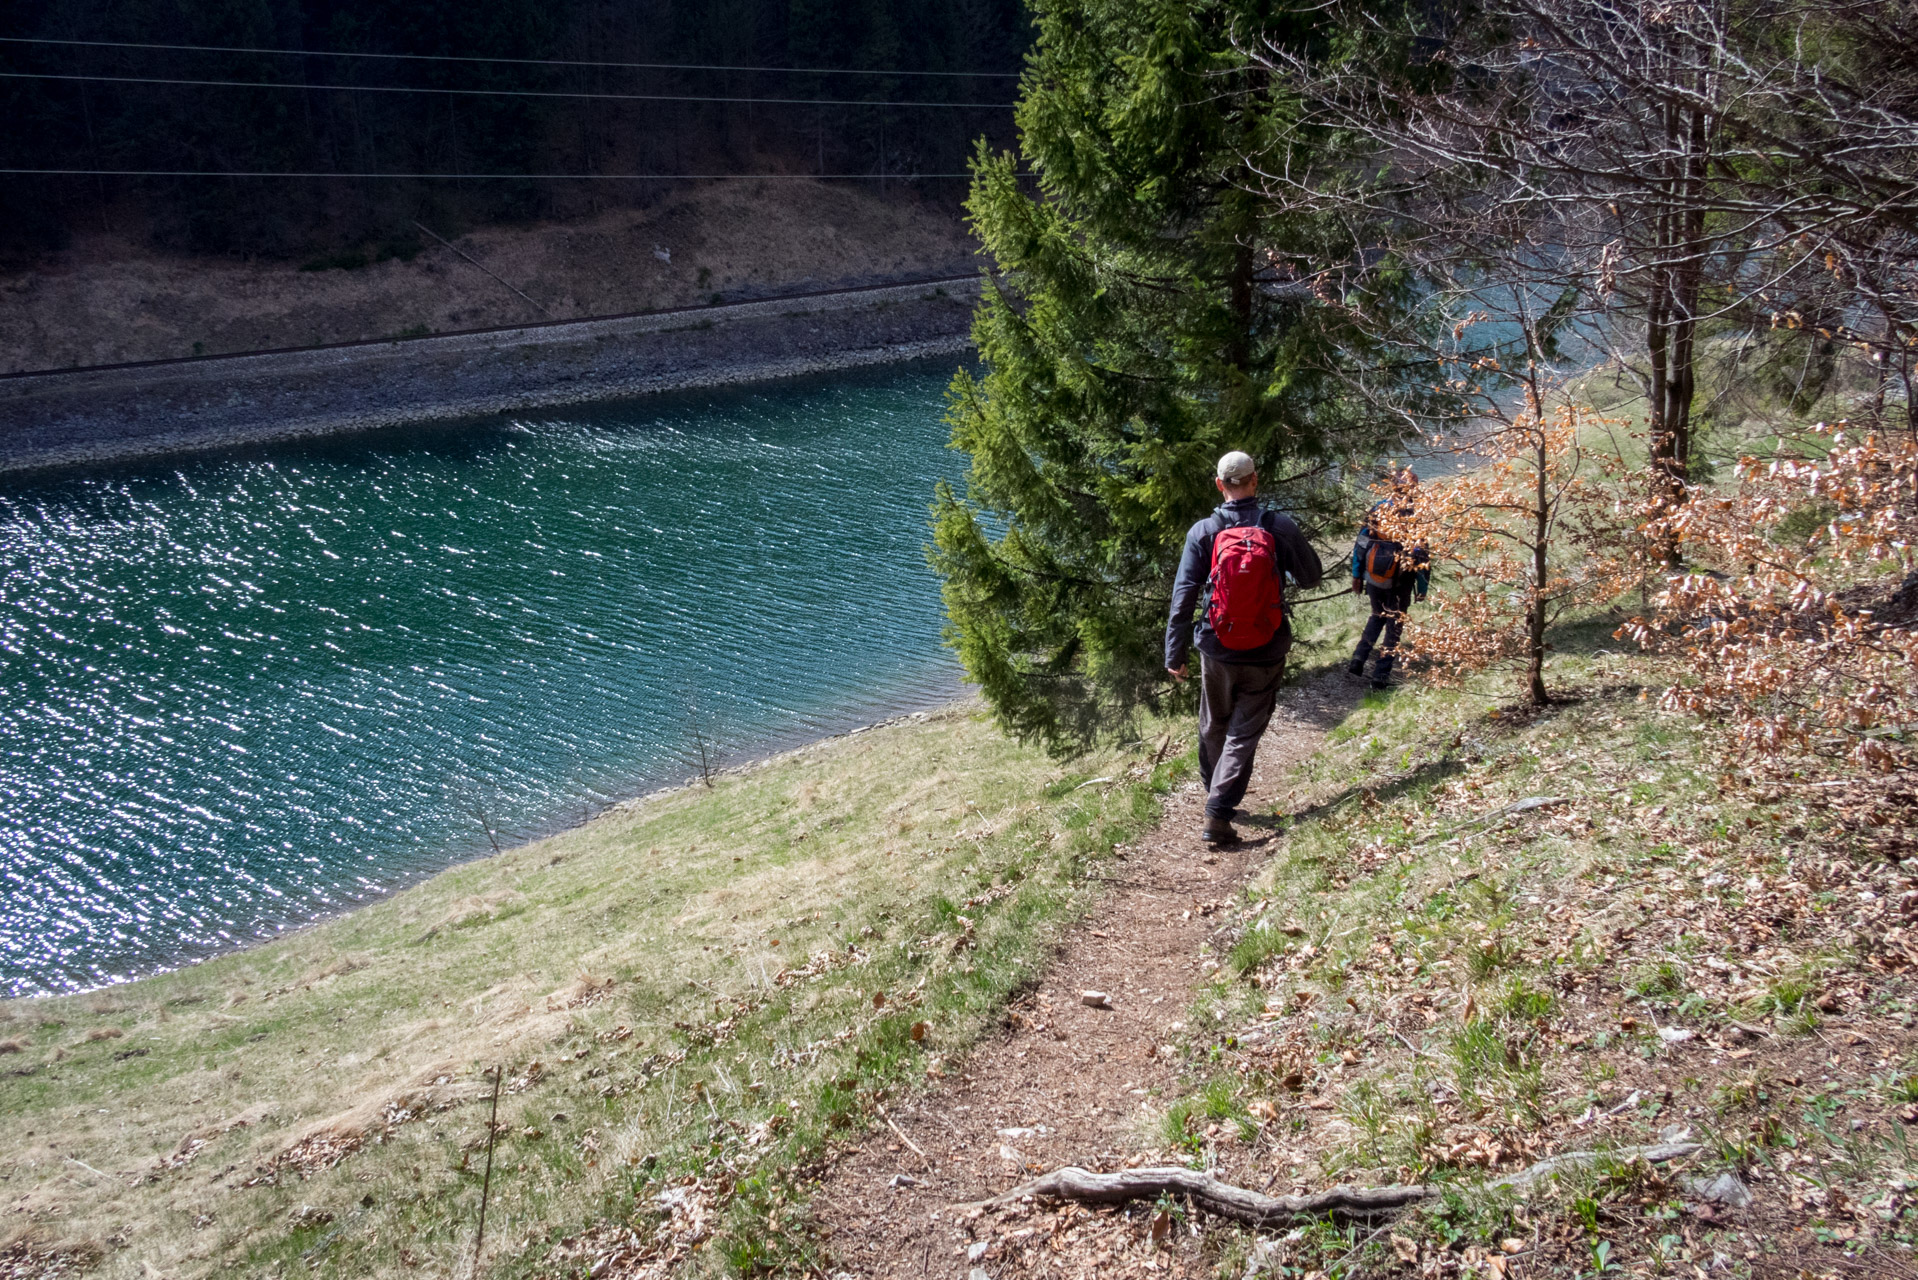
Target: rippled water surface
{"x":243,"y":691}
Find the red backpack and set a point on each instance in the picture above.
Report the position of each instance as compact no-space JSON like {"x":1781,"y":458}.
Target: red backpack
{"x":1246,"y":609}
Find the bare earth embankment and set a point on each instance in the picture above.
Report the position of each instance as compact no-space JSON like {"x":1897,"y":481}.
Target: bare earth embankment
{"x":93,"y":415}
{"x":106,"y":301}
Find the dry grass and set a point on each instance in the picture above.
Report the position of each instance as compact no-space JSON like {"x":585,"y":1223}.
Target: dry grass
{"x":682,"y":989}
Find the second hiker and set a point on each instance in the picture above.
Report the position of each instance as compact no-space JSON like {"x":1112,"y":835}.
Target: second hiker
{"x":1391,"y":574}
{"x":1238,"y":558}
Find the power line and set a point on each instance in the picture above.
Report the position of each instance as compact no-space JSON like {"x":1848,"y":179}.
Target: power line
{"x":524,"y":62}
{"x":497,"y":93}
{"x":468,"y":177}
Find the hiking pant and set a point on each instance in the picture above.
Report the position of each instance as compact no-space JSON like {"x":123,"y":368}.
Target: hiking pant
{"x":1235,"y":702}
{"x":1388,"y":616}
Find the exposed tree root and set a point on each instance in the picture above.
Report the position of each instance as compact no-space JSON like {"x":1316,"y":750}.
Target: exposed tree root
{"x":1208,"y":1193}
{"x":1657,"y":1153}
{"x":1256,"y":1210}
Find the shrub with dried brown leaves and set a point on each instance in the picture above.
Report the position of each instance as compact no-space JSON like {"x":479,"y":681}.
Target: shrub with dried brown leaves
{"x":1536,"y":531}
{"x":1794,"y":613}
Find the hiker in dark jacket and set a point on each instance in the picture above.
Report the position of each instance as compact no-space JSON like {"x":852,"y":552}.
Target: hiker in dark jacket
{"x":1392,"y":575}
{"x":1237,"y":559}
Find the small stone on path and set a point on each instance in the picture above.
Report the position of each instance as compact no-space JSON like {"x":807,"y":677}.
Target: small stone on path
{"x":1726,"y":1189}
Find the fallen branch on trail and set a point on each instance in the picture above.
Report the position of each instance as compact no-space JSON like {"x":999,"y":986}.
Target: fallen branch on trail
{"x":1657,"y":1153}
{"x":917,"y":1150}
{"x":1255,"y":1210}
{"x":1208,"y":1193}
{"x":1512,"y":810}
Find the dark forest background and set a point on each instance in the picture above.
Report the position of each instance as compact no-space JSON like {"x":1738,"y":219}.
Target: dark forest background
{"x":98,"y":124}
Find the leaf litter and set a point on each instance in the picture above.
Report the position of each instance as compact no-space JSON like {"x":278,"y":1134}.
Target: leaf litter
{"x":1573,"y":931}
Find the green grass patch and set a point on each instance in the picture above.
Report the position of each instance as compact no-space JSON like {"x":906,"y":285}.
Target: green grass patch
{"x":696,"y":990}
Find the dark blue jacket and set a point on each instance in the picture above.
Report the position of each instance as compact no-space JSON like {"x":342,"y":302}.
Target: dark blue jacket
{"x":1190,"y":591}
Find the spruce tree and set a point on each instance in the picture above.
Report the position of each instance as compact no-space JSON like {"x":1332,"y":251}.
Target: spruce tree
{"x":1139,"y":320}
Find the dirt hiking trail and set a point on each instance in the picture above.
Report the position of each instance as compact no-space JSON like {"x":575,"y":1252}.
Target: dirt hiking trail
{"x":1063,"y":1083}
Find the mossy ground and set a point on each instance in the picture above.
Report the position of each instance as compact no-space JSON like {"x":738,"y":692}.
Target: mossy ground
{"x":686,"y":995}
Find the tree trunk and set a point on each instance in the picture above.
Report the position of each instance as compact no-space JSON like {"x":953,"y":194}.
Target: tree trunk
{"x":1535,"y":614}
{"x":1671,"y":312}
{"x":1239,"y":287}
{"x":1687,"y":277}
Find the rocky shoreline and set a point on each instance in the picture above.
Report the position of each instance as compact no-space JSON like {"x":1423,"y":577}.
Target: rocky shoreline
{"x":80,"y":416}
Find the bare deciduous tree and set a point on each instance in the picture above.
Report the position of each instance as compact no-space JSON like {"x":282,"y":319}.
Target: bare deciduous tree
{"x":1635,"y":174}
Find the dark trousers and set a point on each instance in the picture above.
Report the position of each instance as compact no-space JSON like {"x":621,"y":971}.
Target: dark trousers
{"x":1235,"y":703}
{"x":1388,"y":617}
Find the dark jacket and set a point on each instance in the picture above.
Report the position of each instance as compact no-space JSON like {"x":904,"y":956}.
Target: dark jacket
{"x":1190,"y":590}
{"x":1415,"y":565}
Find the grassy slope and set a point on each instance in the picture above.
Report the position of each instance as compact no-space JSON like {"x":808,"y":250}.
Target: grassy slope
{"x":1421,"y":986}
{"x":686,"y":987}
{"x":1424,"y":986}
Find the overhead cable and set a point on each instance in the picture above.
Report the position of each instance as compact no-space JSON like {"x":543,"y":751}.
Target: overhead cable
{"x":523,"y":62}
{"x":489,"y":93}
{"x":468,"y":177}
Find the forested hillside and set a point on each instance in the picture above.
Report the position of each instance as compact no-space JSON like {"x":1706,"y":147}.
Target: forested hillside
{"x":136,"y":104}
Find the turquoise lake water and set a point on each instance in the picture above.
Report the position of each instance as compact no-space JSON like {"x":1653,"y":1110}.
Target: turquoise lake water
{"x":247,"y":690}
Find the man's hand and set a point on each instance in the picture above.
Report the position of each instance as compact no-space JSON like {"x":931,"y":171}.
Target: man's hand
{"x":1358,"y":586}
{"x":1177,"y":673}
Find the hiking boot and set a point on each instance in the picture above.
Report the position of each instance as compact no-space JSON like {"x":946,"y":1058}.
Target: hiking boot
{"x":1356,"y":669}
{"x":1384,"y":686}
{"x":1218,"y":831}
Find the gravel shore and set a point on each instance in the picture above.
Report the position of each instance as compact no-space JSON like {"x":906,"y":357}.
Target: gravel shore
{"x":94,"y":415}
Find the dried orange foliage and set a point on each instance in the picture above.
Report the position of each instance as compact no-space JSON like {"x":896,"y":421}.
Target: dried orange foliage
{"x":1797,"y":643}
{"x":1516,"y":543}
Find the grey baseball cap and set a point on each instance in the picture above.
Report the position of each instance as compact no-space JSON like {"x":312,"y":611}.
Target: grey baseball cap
{"x":1234,"y":467}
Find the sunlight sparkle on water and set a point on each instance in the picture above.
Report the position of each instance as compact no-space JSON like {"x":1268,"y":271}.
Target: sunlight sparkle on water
{"x":248,"y":690}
